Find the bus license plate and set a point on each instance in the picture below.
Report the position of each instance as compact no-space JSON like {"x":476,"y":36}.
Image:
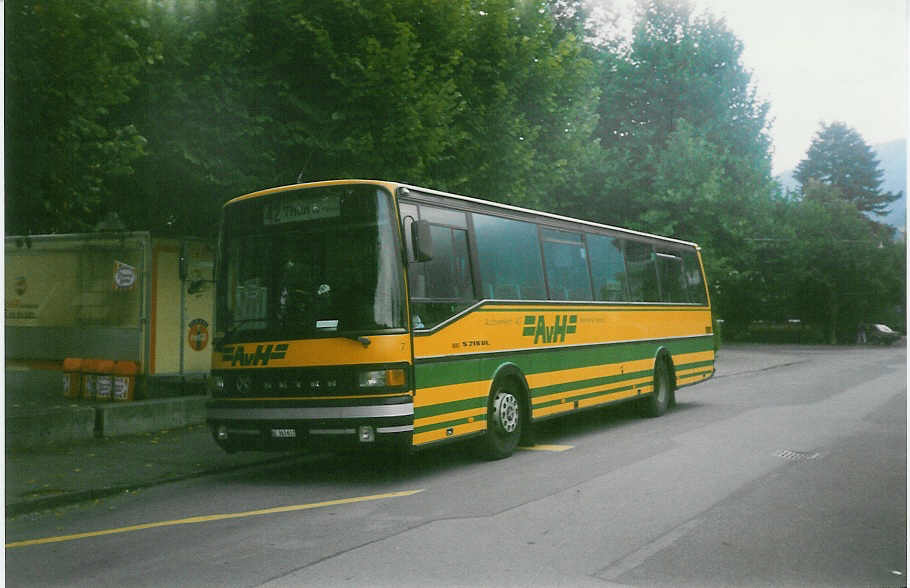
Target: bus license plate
{"x":283,"y":433}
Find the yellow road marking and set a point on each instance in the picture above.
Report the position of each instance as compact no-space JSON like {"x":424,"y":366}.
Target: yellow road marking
{"x":545,"y":447}
{"x":212,"y":518}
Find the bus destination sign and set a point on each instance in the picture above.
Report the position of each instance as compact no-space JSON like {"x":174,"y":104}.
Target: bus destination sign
{"x":297,"y":207}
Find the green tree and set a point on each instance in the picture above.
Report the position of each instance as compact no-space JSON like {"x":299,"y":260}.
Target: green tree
{"x":529,"y":96}
{"x":839,"y":157}
{"x":687,"y":143}
{"x":256,"y":94}
{"x":202,"y":109}
{"x":680,"y":87}
{"x":70,"y":66}
{"x":841,"y":270}
{"x":492,"y":98}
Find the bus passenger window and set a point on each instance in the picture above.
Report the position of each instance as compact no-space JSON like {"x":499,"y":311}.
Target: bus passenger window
{"x":443,"y":286}
{"x":642,"y":272}
{"x":509,"y":258}
{"x":672,"y":282}
{"x":695,"y":285}
{"x":608,"y":267}
{"x":566,"y":265}
{"x":448,"y":274}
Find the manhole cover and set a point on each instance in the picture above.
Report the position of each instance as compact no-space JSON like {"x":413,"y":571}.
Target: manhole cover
{"x":791,"y":455}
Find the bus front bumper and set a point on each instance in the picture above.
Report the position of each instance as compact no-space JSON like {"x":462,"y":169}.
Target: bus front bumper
{"x":280,"y":428}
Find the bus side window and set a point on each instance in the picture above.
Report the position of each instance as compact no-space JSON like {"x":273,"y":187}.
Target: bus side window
{"x":608,"y":268}
{"x":442,"y":286}
{"x":642,"y":272}
{"x":448,"y":274}
{"x":508,"y":253}
{"x":695,"y":285}
{"x":672,"y":282}
{"x":566,"y":264}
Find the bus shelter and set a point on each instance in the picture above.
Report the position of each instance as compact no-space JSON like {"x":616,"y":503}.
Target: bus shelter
{"x":127,"y":297}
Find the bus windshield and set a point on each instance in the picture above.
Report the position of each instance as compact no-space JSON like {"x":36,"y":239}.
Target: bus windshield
{"x":318,"y":262}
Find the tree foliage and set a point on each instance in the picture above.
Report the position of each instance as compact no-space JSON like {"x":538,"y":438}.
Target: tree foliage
{"x":849,"y":264}
{"x":162,"y":110}
{"x":687,"y":141}
{"x":69,"y":66}
{"x":839,"y":157}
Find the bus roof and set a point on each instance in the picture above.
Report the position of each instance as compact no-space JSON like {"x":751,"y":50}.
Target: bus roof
{"x":392,"y":186}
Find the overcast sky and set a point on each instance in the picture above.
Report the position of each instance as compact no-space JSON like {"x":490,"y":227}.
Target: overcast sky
{"x":822,"y":60}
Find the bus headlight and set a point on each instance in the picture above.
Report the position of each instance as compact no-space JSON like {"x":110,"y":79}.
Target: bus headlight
{"x":382,"y":378}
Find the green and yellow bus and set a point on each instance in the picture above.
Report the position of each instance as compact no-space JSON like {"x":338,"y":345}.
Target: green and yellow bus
{"x":376,"y":313}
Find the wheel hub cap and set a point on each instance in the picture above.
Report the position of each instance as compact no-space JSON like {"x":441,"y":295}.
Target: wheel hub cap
{"x":505,"y":412}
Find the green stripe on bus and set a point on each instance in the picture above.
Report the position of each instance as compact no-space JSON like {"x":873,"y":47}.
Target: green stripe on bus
{"x":445,"y":407}
{"x":696,"y":374}
{"x":694,"y":364}
{"x":461,"y":370}
{"x":571,"y":399}
{"x":589,"y":383}
{"x":447,"y":424}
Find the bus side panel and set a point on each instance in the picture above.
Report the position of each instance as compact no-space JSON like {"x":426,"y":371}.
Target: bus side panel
{"x":572,"y":357}
{"x":451,"y":399}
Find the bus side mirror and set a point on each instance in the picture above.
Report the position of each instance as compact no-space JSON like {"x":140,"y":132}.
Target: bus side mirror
{"x":422,"y":240}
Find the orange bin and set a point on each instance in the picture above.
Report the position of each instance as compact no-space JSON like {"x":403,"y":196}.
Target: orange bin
{"x":89,"y":378}
{"x":72,"y":377}
{"x":125,"y":380}
{"x":104,"y":381}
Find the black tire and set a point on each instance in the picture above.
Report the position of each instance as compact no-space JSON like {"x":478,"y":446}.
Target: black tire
{"x":505,"y":420}
{"x":657,"y":403}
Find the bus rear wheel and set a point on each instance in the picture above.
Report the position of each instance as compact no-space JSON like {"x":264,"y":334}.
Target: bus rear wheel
{"x":504,"y":420}
{"x":657,"y":403}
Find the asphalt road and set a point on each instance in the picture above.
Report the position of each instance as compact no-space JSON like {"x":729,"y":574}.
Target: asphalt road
{"x":788,"y":476}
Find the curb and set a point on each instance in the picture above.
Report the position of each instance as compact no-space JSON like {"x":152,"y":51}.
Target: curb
{"x":69,"y":498}
{"x":61,"y":424}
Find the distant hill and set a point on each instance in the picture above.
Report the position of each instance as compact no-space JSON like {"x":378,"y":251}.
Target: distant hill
{"x":892,"y":157}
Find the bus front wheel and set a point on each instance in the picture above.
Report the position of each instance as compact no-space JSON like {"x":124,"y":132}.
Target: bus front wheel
{"x":504,"y":420}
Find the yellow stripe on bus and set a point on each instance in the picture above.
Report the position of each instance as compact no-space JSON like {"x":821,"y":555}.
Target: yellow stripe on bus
{"x":588,"y":373}
{"x":694,"y":378}
{"x":611,"y":397}
{"x":593,"y":400}
{"x":451,"y":416}
{"x":683,"y":358}
{"x":451,"y":393}
{"x":507,"y":332}
{"x":637,"y":383}
{"x":316,"y":352}
{"x":445,"y":433}
{"x":554,"y":409}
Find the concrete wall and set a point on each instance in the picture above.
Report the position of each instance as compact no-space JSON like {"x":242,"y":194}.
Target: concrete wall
{"x":149,"y":415}
{"x":37,"y":414}
{"x":50,"y":426}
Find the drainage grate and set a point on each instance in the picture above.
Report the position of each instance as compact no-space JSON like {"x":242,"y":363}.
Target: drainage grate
{"x":791,"y":455}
